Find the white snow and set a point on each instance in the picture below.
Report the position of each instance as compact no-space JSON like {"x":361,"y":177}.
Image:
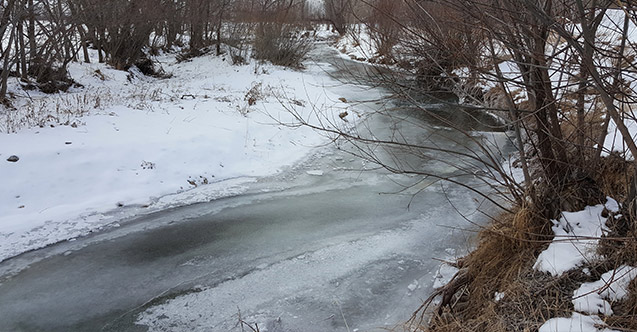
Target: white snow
{"x":413,"y":286}
{"x":358,"y":44}
{"x":576,"y":323}
{"x":444,"y":275}
{"x":125,"y":140}
{"x":614,"y":141}
{"x":576,"y":238}
{"x":597,"y":297}
{"x":315,"y":172}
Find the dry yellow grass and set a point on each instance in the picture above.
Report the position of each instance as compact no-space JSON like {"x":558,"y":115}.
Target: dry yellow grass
{"x":503,"y":263}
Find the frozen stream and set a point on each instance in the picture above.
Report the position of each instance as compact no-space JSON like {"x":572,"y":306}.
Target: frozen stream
{"x":333,"y":244}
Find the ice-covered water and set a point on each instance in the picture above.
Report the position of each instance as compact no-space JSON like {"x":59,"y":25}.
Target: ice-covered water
{"x":333,"y":244}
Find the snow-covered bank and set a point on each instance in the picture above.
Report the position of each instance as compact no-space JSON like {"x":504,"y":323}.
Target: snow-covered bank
{"x":577,"y":237}
{"x":576,"y":242}
{"x":128,"y":140}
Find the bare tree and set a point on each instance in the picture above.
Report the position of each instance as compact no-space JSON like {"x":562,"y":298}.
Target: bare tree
{"x":337,"y":13}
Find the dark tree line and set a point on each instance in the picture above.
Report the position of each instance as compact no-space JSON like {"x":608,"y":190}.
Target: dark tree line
{"x":42,"y":36}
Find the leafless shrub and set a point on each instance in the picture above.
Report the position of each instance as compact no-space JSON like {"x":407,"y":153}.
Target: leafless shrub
{"x":339,"y":14}
{"x":50,"y":78}
{"x":62,"y":111}
{"x":281,"y":44}
{"x":238,"y":41}
{"x":384,"y":31}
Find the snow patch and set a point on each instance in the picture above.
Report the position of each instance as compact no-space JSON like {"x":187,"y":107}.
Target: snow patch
{"x":444,"y":275}
{"x":576,"y":238}
{"x":315,"y":173}
{"x":576,"y":323}
{"x":413,"y":286}
{"x":358,"y":44}
{"x":597,"y":297}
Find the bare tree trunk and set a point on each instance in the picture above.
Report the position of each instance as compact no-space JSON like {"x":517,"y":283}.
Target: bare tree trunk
{"x":222,"y":10}
{"x":31,"y":32}
{"x":581,"y":113}
{"x":16,"y":46}
{"x":196,"y":14}
{"x":597,"y":81}
{"x":583,"y":80}
{"x":6,"y":66}
{"x":101,"y":38}
{"x":5,"y":20}
{"x":82,"y":33}
{"x":23,"y":57}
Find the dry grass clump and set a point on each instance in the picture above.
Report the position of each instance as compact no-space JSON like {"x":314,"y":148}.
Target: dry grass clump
{"x":620,"y":245}
{"x":500,"y":264}
{"x":620,"y":248}
{"x":613,"y":176}
{"x":625,"y":313}
{"x":497,"y":288}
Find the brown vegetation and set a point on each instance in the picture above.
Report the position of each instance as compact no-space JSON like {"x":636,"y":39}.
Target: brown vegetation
{"x":503,"y":263}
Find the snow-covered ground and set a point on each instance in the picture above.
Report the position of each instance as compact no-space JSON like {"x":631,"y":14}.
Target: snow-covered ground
{"x":576,"y":240}
{"x":126,"y":144}
{"x":358,"y":44}
{"x":577,"y":236}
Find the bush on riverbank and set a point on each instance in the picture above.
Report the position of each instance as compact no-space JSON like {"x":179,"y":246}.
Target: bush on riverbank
{"x":498,"y":289}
